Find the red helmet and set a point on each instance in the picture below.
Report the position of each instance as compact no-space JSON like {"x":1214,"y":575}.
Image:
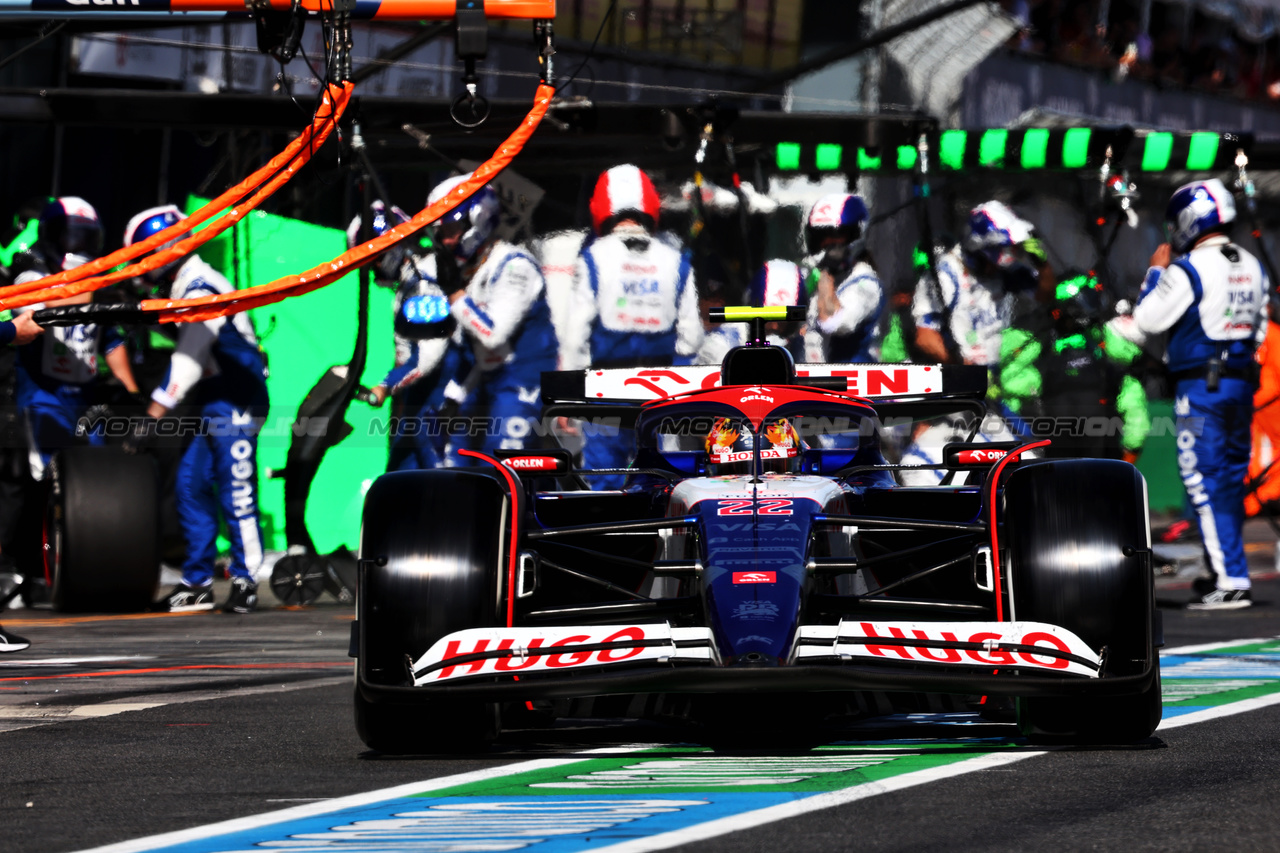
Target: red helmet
{"x":624,"y":192}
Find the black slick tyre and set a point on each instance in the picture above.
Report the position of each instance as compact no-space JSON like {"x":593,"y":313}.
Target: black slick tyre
{"x":102,"y":537}
{"x":1076,"y":537}
{"x":430,"y":549}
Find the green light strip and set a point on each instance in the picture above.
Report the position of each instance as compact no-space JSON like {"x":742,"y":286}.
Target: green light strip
{"x":1204,"y":150}
{"x":1035,"y":148}
{"x":1075,"y":147}
{"x":788,"y":156}
{"x":827,"y":157}
{"x":991,"y":148}
{"x":951,"y":148}
{"x":1156,"y":152}
{"x":907,"y":157}
{"x":867,"y":163}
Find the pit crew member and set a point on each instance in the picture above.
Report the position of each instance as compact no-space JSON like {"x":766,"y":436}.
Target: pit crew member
{"x":218,"y":370}
{"x":55,"y":373}
{"x":425,"y":359}
{"x":844,"y":314}
{"x":1209,"y":295}
{"x":497,"y":296}
{"x":961,"y":319}
{"x":635,"y":301}
{"x":962,"y":315}
{"x":780,"y":283}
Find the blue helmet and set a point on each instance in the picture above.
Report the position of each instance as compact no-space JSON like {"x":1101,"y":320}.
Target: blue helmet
{"x":778,"y":283}
{"x":836,"y":215}
{"x":477,"y":216}
{"x":1197,"y":209}
{"x":389,"y":262}
{"x":152,"y":221}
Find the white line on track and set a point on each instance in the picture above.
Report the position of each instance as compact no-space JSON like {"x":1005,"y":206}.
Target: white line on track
{"x":18,"y":664}
{"x":1215,"y":713}
{"x":354,"y":801}
{"x":15,"y":717}
{"x":1213,"y":647}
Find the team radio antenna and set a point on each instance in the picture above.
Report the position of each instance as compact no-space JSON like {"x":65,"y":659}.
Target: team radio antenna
{"x":469,"y":110}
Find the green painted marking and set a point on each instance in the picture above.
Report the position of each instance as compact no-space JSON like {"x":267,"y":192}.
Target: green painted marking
{"x":1156,"y":152}
{"x":1035,"y":148}
{"x":991,"y":148}
{"x":907,"y":157}
{"x":827,"y":157}
{"x":951,"y":147}
{"x":1203,"y":151}
{"x":788,"y":156}
{"x":1075,"y":147}
{"x":683,"y":770}
{"x":867,"y":163}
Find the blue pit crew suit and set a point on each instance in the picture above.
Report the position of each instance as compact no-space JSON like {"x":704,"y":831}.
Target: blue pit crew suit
{"x":504,"y":315}
{"x":635,"y":304}
{"x":218,"y":370}
{"x":1211,"y":301}
{"x":426,"y":361}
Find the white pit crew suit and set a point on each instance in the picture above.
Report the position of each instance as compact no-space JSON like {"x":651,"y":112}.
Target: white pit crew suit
{"x":635,"y":304}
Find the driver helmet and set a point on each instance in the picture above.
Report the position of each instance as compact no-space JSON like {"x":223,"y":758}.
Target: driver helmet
{"x":1197,"y":209}
{"x":730,"y":446}
{"x":69,"y":226}
{"x":149,"y":222}
{"x":387,"y":267}
{"x":476,"y":219}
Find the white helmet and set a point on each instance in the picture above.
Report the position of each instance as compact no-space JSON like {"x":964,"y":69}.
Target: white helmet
{"x":478,"y":215}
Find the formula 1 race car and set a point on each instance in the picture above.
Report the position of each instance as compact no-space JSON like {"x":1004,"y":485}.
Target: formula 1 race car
{"x":760,"y":544}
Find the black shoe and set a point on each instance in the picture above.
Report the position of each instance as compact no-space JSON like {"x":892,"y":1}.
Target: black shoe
{"x":1209,"y":597}
{"x":187,"y":599}
{"x":243,"y":597}
{"x":10,"y":642}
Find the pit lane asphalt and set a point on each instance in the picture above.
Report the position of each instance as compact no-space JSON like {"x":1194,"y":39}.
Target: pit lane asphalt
{"x":252,"y":714}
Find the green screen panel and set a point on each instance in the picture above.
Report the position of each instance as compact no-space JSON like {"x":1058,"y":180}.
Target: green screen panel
{"x":1035,"y":148}
{"x":1156,"y":151}
{"x":788,"y":156}
{"x":827,"y":157}
{"x":951,"y":147}
{"x":1202,"y":152}
{"x":991,"y":148}
{"x":1075,"y":147}
{"x":302,"y":337}
{"x":907,"y":157}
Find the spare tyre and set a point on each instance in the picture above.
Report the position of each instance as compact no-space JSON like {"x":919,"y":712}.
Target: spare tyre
{"x":102,"y":537}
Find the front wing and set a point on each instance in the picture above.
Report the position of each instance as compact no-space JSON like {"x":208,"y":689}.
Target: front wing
{"x":999,"y":658}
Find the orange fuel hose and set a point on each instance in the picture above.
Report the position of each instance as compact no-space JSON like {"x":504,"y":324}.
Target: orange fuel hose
{"x":220,"y":304}
{"x":262,"y":183}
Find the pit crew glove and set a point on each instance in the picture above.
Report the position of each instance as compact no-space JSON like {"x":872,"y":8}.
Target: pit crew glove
{"x":140,"y":436}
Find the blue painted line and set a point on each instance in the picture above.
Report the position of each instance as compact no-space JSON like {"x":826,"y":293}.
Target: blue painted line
{"x":556,"y":824}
